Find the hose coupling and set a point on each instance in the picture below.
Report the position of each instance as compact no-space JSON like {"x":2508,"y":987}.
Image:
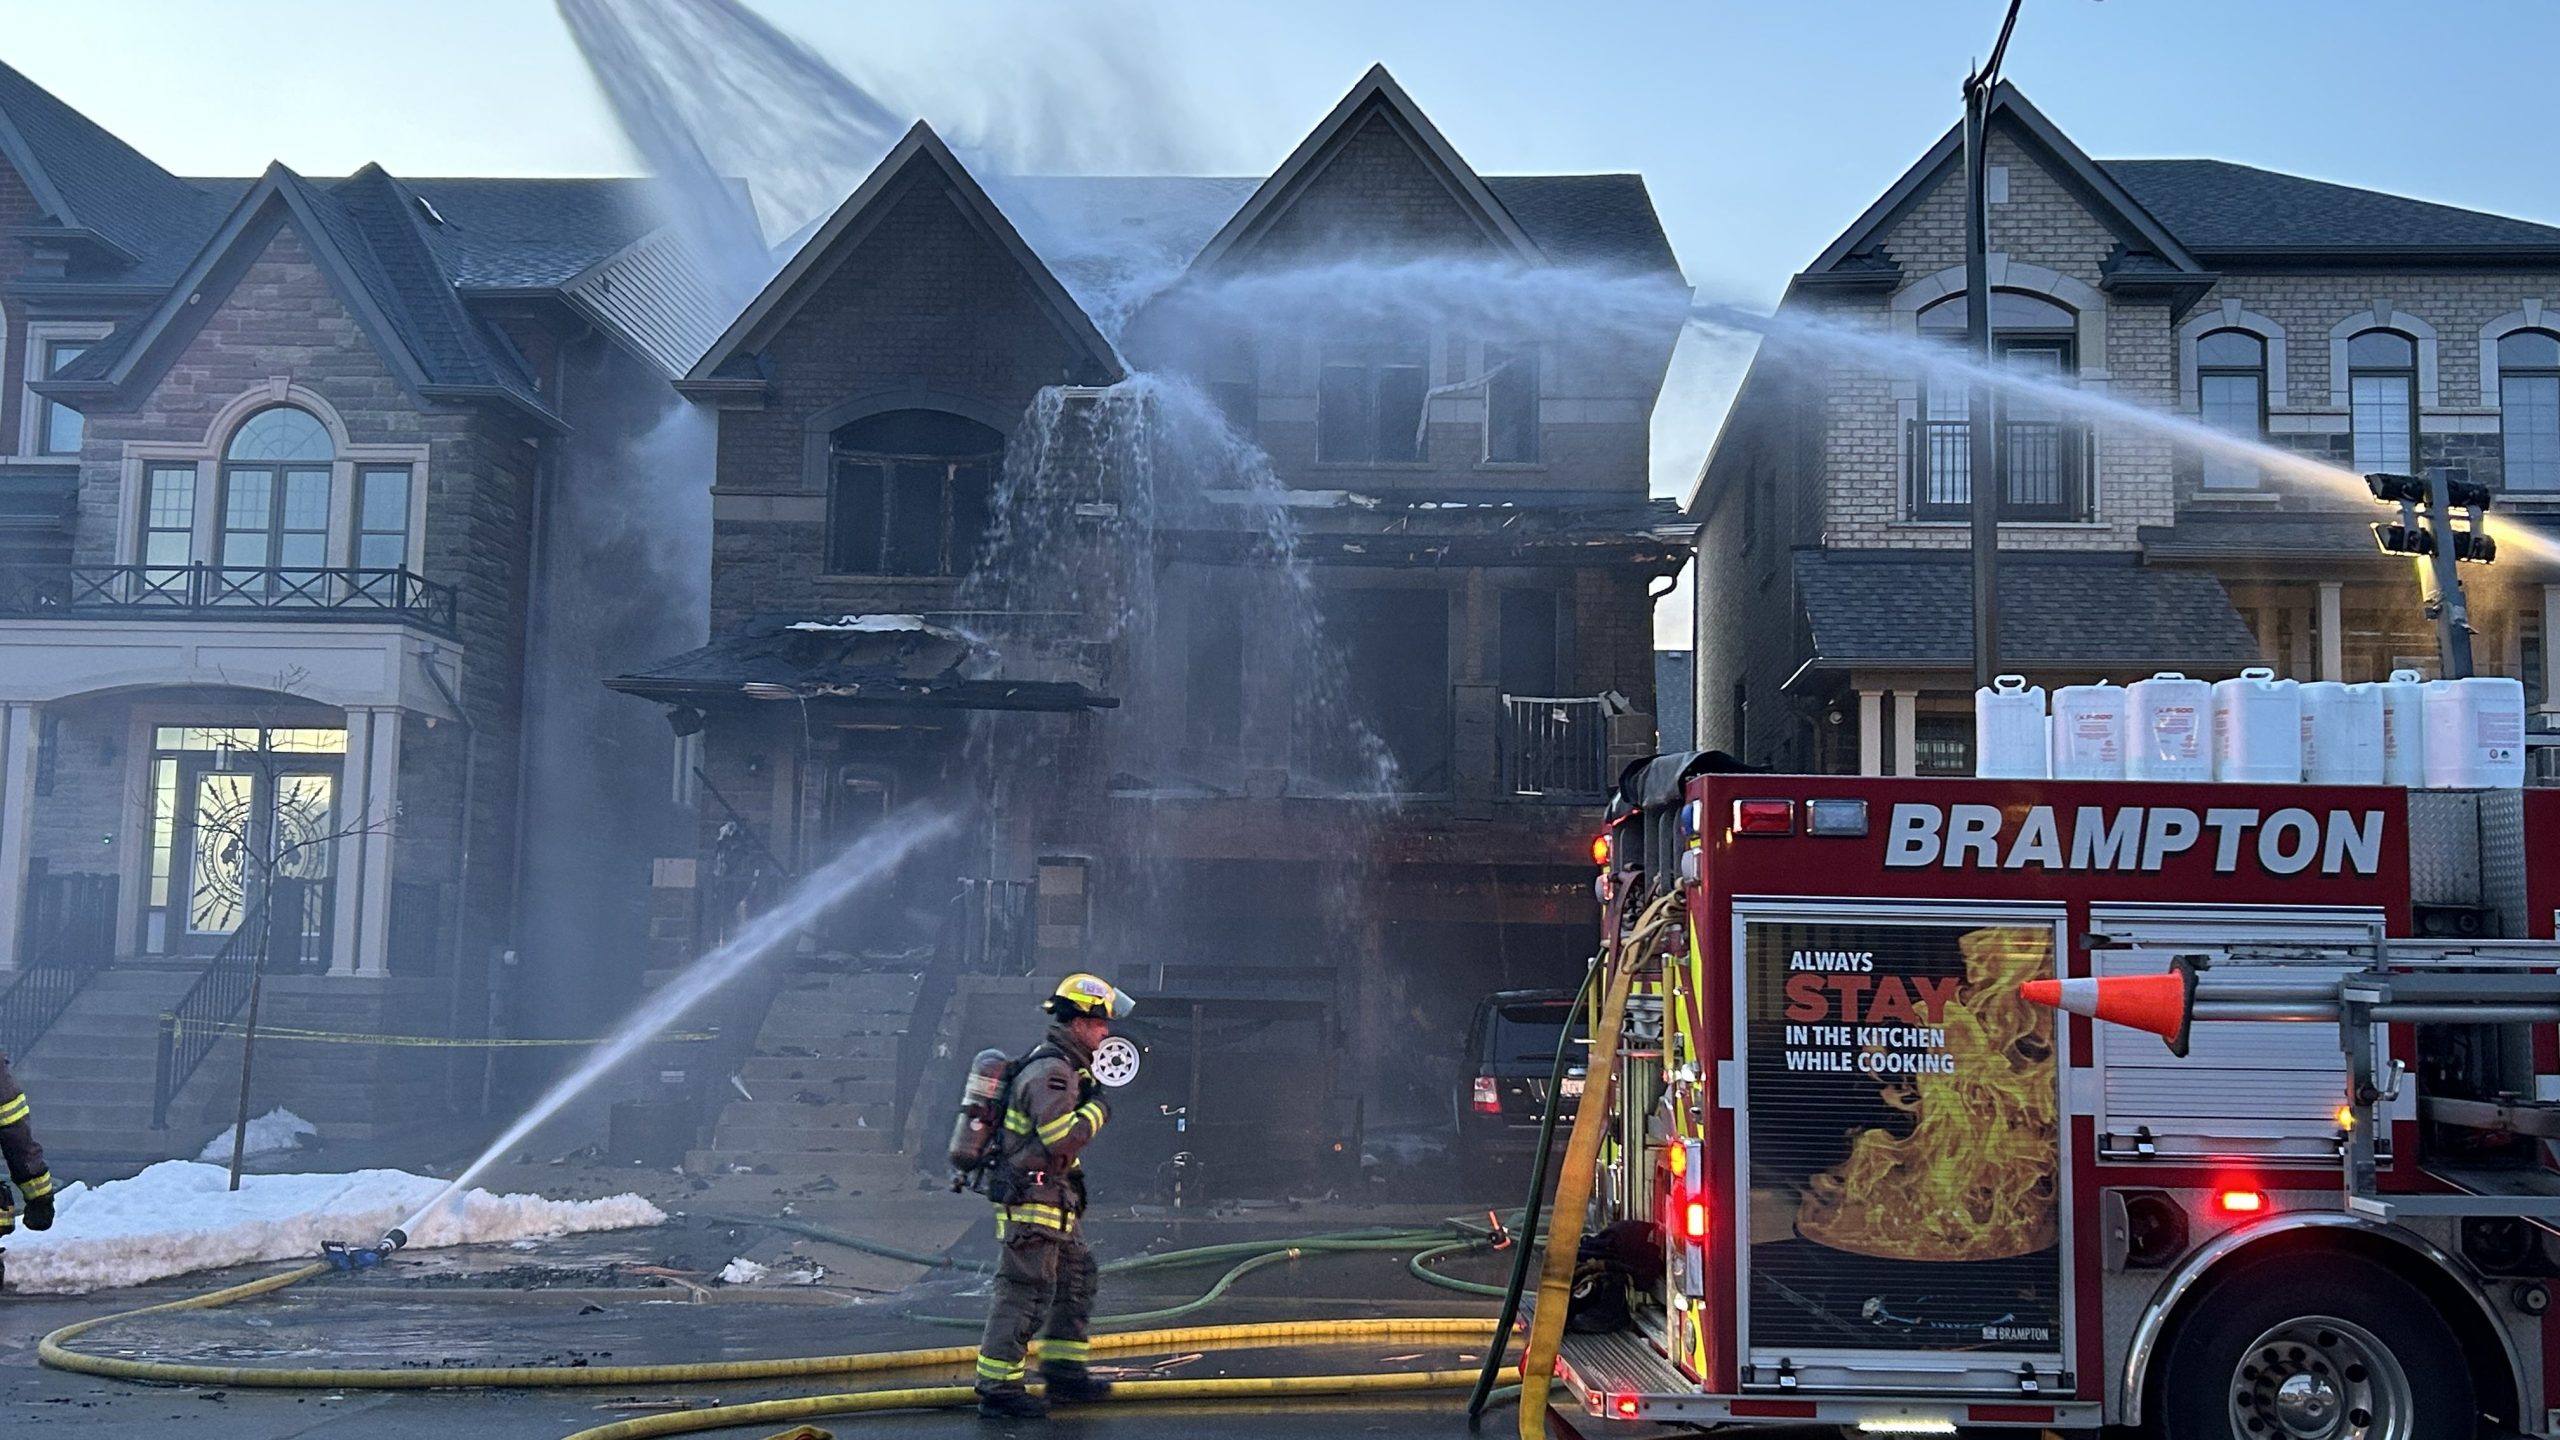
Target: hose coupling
{"x":344,"y":1257}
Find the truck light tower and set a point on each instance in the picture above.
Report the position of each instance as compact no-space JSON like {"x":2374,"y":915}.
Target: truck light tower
{"x":2427,"y":531}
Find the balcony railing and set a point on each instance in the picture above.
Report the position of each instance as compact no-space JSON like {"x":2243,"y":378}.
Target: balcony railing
{"x":2044,"y":468}
{"x":154,"y":592}
{"x":1555,"y":748}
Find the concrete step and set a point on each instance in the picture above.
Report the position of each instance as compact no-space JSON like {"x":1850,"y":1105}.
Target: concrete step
{"x":102,"y":1035}
{"x":73,"y":1123}
{"x":799,"y":1162}
{"x":787,"y":1114}
{"x":92,"y":1072}
{"x":790,"y":1018}
{"x":872,"y":1050}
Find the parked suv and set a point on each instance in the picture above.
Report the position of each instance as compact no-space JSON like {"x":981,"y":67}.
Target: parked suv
{"x":1511,"y":1051}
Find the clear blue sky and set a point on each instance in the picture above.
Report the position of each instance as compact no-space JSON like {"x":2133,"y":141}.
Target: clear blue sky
{"x":1763,"y":127}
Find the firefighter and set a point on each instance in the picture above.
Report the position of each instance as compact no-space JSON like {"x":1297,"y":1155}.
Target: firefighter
{"x":1045,"y":1280}
{"x":26,"y":1159}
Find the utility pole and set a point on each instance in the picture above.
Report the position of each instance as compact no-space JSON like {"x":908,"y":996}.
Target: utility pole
{"x":1982,"y":441}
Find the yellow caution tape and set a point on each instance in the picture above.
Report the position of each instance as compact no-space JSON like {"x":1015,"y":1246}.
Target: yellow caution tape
{"x":444,"y":1042}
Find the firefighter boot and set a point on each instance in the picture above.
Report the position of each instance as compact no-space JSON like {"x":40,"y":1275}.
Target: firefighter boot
{"x":1007,"y":1400}
{"x":1070,"y":1382}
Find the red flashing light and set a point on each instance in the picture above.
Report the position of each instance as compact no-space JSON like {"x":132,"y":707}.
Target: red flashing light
{"x":1488,"y":1095}
{"x":1764,"y":817}
{"x":1693,"y":1219}
{"x":2240,"y":1202}
{"x":1600,"y":850}
{"x":1623,"y":1406}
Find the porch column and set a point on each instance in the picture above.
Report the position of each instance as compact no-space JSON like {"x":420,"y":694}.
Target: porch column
{"x":382,"y":809}
{"x":2333,"y":630}
{"x":1906,"y":732}
{"x":1870,"y":732}
{"x":346,"y":864}
{"x":17,"y":822}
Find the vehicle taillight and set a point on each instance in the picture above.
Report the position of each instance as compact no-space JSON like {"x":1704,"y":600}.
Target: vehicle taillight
{"x":1693,"y":1219}
{"x":1600,"y":851}
{"x":1624,"y":1406}
{"x":1764,"y":817}
{"x":1488,"y":1097}
{"x":2240,"y":1202}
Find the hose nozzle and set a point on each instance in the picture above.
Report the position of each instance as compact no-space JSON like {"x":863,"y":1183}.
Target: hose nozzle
{"x":393,"y":1239}
{"x":342,"y":1256}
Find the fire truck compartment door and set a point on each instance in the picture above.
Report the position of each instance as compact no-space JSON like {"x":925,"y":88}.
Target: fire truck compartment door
{"x":2247,"y":1089}
{"x":1899,"y":1147}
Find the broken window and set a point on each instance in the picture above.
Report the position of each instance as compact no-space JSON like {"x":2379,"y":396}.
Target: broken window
{"x":1511,"y":404}
{"x":1214,"y":678}
{"x":1370,"y":402}
{"x":1529,"y":643}
{"x":1393,"y":649}
{"x":910,"y":493}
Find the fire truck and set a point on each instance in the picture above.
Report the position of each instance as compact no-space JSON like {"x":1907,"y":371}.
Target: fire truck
{"x":1893,"y":1193}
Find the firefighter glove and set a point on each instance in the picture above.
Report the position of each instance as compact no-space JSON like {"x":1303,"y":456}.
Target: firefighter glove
{"x":40,"y":1213}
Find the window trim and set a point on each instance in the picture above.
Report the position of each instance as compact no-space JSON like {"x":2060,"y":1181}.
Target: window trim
{"x":948,"y":567}
{"x":1917,"y":510}
{"x":2260,"y":372}
{"x":1373,"y":359}
{"x":2408,"y":376}
{"x":32,"y":407}
{"x":2491,"y":360}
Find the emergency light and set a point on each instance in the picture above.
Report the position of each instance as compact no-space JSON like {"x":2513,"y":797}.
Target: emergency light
{"x":1764,"y":817}
{"x":2240,"y":1202}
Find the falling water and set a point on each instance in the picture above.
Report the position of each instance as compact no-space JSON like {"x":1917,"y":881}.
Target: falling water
{"x":863,"y":863}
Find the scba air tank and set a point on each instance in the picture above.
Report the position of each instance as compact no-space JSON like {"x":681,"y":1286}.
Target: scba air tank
{"x":975,"y":1127}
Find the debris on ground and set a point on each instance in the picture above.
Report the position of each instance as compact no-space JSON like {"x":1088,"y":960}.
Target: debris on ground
{"x":277,"y":1132}
{"x":180,"y":1216}
{"x":741,"y":1271}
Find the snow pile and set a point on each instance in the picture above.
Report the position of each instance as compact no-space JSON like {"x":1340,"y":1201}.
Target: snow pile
{"x":178,"y":1216}
{"x":274,"y":1133}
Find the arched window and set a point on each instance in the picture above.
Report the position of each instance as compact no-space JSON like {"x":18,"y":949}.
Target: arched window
{"x":275,"y":500}
{"x":2382,"y":401}
{"x":2529,"y":408}
{"x":2042,"y":452}
{"x":909,"y":493}
{"x":2231,"y":396}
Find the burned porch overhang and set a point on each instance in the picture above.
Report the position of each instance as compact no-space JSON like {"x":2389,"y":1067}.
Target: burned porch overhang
{"x":2102,"y":614}
{"x":863,"y":663}
{"x":1345,"y":527}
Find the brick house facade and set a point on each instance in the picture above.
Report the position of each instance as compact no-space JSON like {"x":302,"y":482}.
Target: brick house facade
{"x":2212,"y":293}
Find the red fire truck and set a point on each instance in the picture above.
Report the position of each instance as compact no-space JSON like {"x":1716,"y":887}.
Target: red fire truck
{"x":1894,"y":1195}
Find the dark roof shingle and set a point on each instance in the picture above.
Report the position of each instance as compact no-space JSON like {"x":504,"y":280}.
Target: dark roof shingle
{"x":2093,"y":611}
{"x":2217,"y":205}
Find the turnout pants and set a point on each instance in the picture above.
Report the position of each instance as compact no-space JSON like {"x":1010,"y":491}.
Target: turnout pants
{"x":1044,"y":1286}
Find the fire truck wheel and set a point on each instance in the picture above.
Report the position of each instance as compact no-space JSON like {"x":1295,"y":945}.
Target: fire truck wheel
{"x":2327,"y":1347}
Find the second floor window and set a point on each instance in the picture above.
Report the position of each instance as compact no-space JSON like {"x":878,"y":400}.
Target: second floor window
{"x":168,"y":524}
{"x":275,"y":493}
{"x":2529,"y":408}
{"x":1371,"y":403}
{"x":1511,"y":404}
{"x":2040,"y":450}
{"x":62,"y":424}
{"x":909,"y":493}
{"x":2382,"y":401}
{"x":2231,"y":396}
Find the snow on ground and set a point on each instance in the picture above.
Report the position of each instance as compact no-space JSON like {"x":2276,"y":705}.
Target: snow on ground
{"x":178,"y":1216}
{"x":741,"y":1271}
{"x":274,"y":1133}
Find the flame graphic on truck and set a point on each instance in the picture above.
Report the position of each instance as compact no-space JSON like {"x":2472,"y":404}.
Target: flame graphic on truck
{"x":1977,"y":1174}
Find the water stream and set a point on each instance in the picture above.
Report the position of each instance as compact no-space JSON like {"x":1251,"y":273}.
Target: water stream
{"x":864,"y":863}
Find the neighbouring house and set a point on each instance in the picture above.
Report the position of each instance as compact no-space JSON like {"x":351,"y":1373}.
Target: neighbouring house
{"x":296,"y":472}
{"x":2374,"y":331}
{"x":1305,"y":750}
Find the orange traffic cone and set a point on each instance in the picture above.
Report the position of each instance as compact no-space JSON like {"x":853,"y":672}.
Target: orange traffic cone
{"x":2164,"y":1005}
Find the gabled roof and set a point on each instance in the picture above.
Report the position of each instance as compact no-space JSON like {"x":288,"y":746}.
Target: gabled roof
{"x":2106,"y":197}
{"x":86,"y":180}
{"x":1914,"y":608}
{"x":363,"y":233}
{"x":854,"y":218}
{"x":2215,"y":205}
{"x":1377,"y":93}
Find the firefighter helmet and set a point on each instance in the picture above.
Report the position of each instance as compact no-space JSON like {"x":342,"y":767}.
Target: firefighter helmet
{"x":1089,"y":995}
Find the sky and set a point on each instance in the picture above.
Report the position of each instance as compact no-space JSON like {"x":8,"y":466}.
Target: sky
{"x":1763,"y":127}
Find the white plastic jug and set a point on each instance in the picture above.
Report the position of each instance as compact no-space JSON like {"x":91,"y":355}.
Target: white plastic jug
{"x":2341,"y":733}
{"x":2088,"y":731}
{"x":2404,"y":729}
{"x":2257,"y":728}
{"x":2009,"y":730}
{"x":2164,"y":736}
{"x":2475,"y":733}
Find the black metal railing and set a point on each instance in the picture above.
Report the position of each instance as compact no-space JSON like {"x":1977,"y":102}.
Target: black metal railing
{"x":70,"y":938}
{"x":151,"y":592}
{"x":2044,"y":468}
{"x":190,"y":1029}
{"x":1555,"y":748}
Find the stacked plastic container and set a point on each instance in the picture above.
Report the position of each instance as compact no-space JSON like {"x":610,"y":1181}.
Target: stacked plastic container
{"x":2256,"y":728}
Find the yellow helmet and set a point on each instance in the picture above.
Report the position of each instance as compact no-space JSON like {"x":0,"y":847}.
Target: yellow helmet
{"x":1090,"y":995}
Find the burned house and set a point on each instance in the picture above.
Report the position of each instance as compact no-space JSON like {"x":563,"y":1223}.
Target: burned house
{"x":1277,"y":624}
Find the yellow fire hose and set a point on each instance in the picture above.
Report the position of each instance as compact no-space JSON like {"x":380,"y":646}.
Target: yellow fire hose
{"x":762,"y":1412}
{"x":1573,"y":1185}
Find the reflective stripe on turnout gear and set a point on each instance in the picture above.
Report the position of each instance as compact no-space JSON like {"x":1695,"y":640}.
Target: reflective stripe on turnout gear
{"x":1002,"y":1372}
{"x":14,"y":1111}
{"x":36,"y":1187}
{"x":1065,"y":1352}
{"x":1053,"y":1218}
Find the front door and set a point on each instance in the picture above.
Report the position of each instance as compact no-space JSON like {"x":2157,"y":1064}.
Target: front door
{"x":238,"y":827}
